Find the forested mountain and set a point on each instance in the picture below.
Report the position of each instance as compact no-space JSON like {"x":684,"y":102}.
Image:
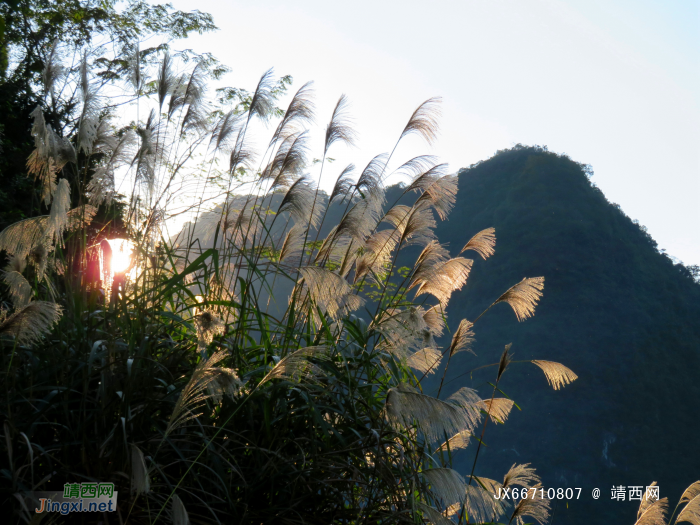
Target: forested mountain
{"x":620,"y":314}
{"x":615,"y":310}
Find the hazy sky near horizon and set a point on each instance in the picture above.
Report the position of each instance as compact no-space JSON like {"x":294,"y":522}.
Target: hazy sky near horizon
{"x":611,"y":83}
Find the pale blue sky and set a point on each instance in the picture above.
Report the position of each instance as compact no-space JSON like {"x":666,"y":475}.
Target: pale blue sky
{"x":612,"y":83}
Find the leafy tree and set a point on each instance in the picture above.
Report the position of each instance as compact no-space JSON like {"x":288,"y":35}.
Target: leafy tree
{"x":34,"y":34}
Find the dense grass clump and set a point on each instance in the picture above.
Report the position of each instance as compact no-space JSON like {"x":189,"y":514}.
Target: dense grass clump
{"x":254,"y":367}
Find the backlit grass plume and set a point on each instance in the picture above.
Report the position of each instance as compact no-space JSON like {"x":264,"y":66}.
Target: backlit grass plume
{"x":261,"y":358}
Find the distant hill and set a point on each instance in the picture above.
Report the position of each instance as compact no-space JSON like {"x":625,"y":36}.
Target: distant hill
{"x":623,"y":316}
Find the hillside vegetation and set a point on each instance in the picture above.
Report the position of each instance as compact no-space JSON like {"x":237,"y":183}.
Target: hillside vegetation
{"x":618,"y":312}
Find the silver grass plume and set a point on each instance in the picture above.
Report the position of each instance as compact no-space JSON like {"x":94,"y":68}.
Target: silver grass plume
{"x":498,"y":408}
{"x":293,"y":245}
{"x":690,"y":493}
{"x":135,"y":67}
{"x":299,"y":202}
{"x":402,"y":330}
{"x":207,"y":381}
{"x":117,"y":151}
{"x":377,"y":254}
{"x":29,"y":324}
{"x":370,"y":178}
{"x":330,"y":291}
{"x":58,"y":217}
{"x":482,"y":243}
{"x":146,"y":155}
{"x":414,"y":167}
{"x":178,"y":511}
{"x":443,"y":279}
{"x":435,"y":318}
{"x":339,"y":128}
{"x":343,"y":184}
{"x":504,"y":361}
{"x":405,"y":406}
{"x":51,"y":153}
{"x":441,"y":195}
{"x":297,"y":367}
{"x":262,"y":102}
{"x":348,"y":257}
{"x":446,"y":485}
{"x":300,"y":109}
{"x":535,"y":507}
{"x":647,"y":500}
{"x":433,"y":515}
{"x":53,"y":69}
{"x":481,"y":503}
{"x":80,"y":217}
{"x":241,"y":155}
{"x":423,"y":180}
{"x":208,"y":325}
{"x":691,"y":512}
{"x":223,"y":133}
{"x":462,"y":338}
{"x":195,"y":118}
{"x":20,"y":289}
{"x":21,"y":237}
{"x":89,"y":117}
{"x":557,"y":374}
{"x":456,"y":442}
{"x":424,"y":120}
{"x":166,"y":80}
{"x":655,"y":514}
{"x":362,"y":217}
{"x":521,"y":475}
{"x":140,"y":479}
{"x":523,"y":297}
{"x":417,"y":226}
{"x":425,"y":360}
{"x":289,"y":161}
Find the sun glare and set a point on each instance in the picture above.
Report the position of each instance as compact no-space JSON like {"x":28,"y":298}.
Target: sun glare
{"x":121,"y":254}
